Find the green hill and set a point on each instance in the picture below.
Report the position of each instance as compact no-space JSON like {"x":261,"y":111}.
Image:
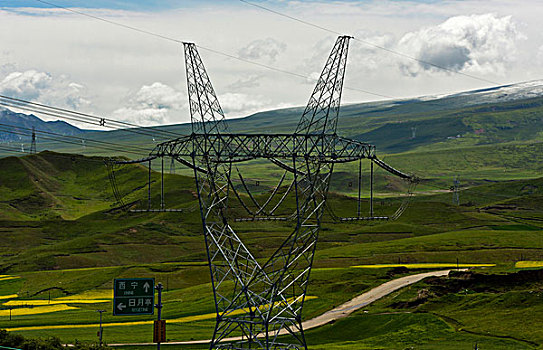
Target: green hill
{"x":60,"y":213}
{"x":50,"y":185}
{"x":62,"y":235}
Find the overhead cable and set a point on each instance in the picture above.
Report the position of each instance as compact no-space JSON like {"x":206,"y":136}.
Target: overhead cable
{"x":241,"y":59}
{"x":107,"y":148}
{"x":42,"y":132}
{"x":83,"y":117}
{"x":398,"y":53}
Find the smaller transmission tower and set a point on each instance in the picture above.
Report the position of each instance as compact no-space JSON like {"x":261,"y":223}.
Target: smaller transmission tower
{"x":454,"y":188}
{"x":172,"y":166}
{"x":33,"y":144}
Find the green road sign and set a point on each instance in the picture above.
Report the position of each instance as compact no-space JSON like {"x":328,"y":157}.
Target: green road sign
{"x":133,"y":296}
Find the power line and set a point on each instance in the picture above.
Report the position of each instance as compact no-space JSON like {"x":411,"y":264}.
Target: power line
{"x":33,"y":110}
{"x":284,"y":71}
{"x":11,"y":131}
{"x":160,"y":36}
{"x":16,"y":127}
{"x":54,"y":155}
{"x":51,"y":111}
{"x":82,"y":117}
{"x":13,"y":150}
{"x":112,"y":22}
{"x":370,"y":43}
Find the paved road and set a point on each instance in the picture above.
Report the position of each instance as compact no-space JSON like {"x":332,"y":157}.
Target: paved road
{"x":341,"y":311}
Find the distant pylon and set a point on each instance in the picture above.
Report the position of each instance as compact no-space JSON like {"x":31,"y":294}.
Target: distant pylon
{"x":33,"y":144}
{"x":456,"y":184}
{"x":172,"y":167}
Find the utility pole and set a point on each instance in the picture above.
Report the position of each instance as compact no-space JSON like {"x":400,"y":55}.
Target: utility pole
{"x":359,"y":187}
{"x":162,"y":184}
{"x":149,"y":189}
{"x":101,"y":330}
{"x":371,"y":189}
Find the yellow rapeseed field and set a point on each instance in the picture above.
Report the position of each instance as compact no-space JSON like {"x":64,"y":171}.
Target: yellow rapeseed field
{"x":90,"y":295}
{"x":528,"y":264}
{"x":9,"y":296}
{"x":137,"y":323}
{"x":422,"y":266}
{"x":36,"y":310}
{"x":7,"y":277}
{"x":52,"y":302}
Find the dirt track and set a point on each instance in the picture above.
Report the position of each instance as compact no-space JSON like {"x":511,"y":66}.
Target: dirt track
{"x":341,"y":311}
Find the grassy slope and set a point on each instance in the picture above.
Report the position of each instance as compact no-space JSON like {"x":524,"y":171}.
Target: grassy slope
{"x":432,"y":230}
{"x":49,"y":185}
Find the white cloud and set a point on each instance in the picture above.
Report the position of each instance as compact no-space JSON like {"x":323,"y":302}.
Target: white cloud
{"x":540,"y":54}
{"x":154,"y":104}
{"x":25,"y":85}
{"x":6,"y":64}
{"x":370,"y":59}
{"x":481,"y":44}
{"x":247,"y":82}
{"x":267,"y":49}
{"x":316,"y":59}
{"x":42,"y":86}
{"x":237,"y":104}
{"x":113,"y":63}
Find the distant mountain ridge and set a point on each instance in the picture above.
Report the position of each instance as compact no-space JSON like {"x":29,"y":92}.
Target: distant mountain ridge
{"x":498,"y":94}
{"x":21,"y":125}
{"x":505,"y":93}
{"x":504,"y":114}
{"x":510,"y":113}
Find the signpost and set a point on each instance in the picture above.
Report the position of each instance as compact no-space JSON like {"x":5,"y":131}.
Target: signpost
{"x":159,"y":334}
{"x":133,"y":296}
{"x":136,"y":296}
{"x":101,"y":330}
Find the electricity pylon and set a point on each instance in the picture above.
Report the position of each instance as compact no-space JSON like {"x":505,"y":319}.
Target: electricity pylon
{"x":259,"y":303}
{"x":33,"y":144}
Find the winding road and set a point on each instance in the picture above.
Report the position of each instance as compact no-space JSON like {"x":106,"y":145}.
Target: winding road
{"x":339,"y":312}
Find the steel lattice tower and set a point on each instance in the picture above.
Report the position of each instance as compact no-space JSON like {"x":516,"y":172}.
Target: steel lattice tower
{"x":259,"y":304}
{"x":33,"y":143}
{"x":271,"y":295}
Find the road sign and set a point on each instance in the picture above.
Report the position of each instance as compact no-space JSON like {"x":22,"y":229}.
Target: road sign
{"x":133,"y":296}
{"x":159,"y":334}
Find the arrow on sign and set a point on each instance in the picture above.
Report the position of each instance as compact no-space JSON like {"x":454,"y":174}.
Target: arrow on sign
{"x":146,"y":286}
{"x":121,"y":306}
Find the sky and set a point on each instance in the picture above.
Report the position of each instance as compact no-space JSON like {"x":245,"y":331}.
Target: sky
{"x":64,"y":59}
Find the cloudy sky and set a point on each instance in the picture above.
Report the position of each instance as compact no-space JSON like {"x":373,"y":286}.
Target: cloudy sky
{"x":64,"y":59}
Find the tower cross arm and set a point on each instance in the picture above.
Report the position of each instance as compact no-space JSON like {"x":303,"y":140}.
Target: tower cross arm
{"x":226,"y":148}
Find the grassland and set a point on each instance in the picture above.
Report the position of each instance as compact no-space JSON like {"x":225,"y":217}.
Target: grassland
{"x":61,"y":252}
